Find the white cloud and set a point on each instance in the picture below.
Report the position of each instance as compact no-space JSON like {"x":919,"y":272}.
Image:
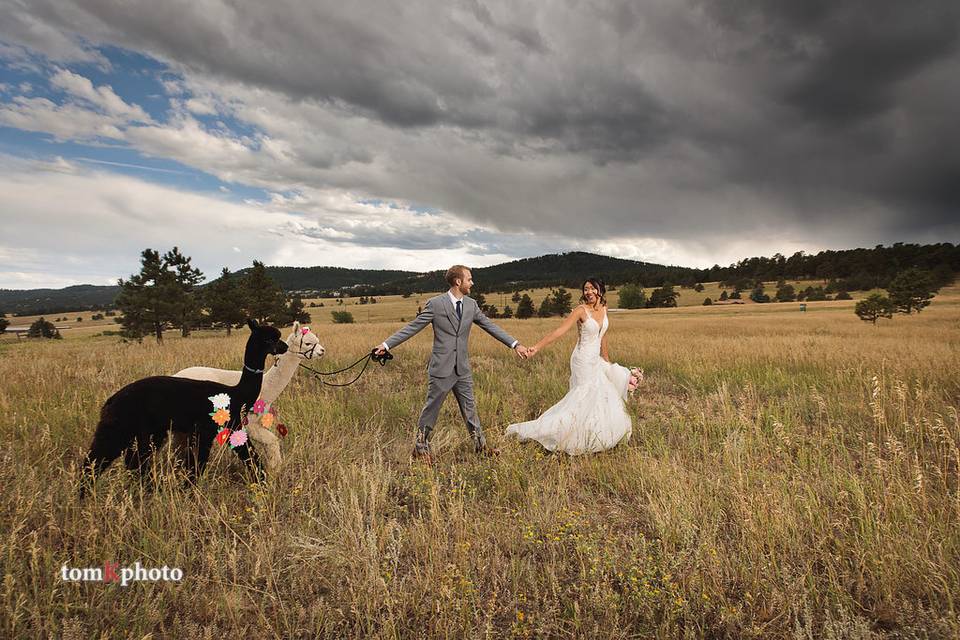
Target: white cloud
{"x":63,"y":121}
{"x":111,"y":218}
{"x":102,"y":97}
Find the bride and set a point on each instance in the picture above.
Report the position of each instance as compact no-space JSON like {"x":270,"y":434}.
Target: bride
{"x":592,"y":416}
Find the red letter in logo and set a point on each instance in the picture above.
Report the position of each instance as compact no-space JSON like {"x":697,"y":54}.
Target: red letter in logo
{"x":110,"y":572}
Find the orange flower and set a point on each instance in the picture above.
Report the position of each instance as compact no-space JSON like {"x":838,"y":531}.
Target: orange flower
{"x":266,"y":420}
{"x":221,"y":416}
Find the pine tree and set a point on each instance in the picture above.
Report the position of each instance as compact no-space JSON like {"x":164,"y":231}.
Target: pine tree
{"x":264,"y":297}
{"x":723,"y":295}
{"x":665,"y":296}
{"x":546,"y":308}
{"x":145,"y":298}
{"x":873,"y":307}
{"x":562,"y":301}
{"x":757,"y":295}
{"x":225,"y":300}
{"x":296,"y":313}
{"x":786,"y":293}
{"x":42,"y":328}
{"x":186,"y":306}
{"x":525,"y":307}
{"x":912,"y":290}
{"x":632,"y":296}
{"x":4,"y":323}
{"x":507,"y":313}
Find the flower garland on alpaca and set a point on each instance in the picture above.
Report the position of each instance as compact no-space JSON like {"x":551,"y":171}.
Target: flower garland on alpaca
{"x":268,"y":417}
{"x":221,"y":416}
{"x":238,"y":437}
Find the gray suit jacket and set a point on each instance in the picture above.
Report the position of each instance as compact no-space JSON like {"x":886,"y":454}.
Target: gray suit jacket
{"x":449,"y":336}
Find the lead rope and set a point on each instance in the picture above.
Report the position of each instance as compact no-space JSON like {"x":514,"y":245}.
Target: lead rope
{"x":319,"y":375}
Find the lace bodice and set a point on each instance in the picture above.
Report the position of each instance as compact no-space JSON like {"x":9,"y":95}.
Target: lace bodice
{"x":591,"y":332}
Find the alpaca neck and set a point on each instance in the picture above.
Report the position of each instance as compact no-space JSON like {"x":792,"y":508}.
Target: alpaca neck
{"x":251,"y":377}
{"x":277,"y":379}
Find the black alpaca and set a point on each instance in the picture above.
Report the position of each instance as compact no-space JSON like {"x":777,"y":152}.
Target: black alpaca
{"x":136,"y":419}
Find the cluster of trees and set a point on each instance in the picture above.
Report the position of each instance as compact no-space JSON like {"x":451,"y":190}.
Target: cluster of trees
{"x":909,"y":291}
{"x":785,"y":292}
{"x":43,"y":328}
{"x":849,"y":270}
{"x":558,"y":302}
{"x":166,"y":293}
{"x":39,"y":328}
{"x":632,"y":296}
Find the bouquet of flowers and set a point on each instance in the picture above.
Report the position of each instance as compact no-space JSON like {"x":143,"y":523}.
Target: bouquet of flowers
{"x":636,"y":377}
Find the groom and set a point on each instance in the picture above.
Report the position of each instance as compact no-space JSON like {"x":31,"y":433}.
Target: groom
{"x":452,"y":314}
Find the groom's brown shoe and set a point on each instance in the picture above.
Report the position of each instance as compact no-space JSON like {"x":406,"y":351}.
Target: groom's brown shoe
{"x":482,"y":449}
{"x":488,"y":452}
{"x":421,"y":453}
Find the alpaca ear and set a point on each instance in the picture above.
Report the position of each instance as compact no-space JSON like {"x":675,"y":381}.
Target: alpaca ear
{"x":296,"y":327}
{"x":252,"y":324}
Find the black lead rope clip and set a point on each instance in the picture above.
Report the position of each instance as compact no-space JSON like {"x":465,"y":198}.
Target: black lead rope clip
{"x":383,"y":358}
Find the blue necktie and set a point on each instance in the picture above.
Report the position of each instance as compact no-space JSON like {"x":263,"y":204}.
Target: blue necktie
{"x":459,"y":310}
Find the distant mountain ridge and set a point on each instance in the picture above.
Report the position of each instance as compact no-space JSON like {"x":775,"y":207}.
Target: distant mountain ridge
{"x":549,"y":270}
{"x":74,"y":298}
{"x":852,"y":268}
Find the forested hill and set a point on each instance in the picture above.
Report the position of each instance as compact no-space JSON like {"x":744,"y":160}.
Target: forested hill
{"x":75,"y":298}
{"x":326,"y":278}
{"x":852,"y":269}
{"x":567,"y":269}
{"x":855,"y":268}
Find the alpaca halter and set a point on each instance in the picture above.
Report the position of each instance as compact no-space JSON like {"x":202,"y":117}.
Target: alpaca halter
{"x":253,"y":370}
{"x":308,"y":354}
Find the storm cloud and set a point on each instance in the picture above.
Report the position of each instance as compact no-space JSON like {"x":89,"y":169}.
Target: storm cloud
{"x":695,"y":124}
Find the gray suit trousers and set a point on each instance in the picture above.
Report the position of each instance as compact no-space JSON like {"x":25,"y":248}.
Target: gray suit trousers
{"x":462,"y":387}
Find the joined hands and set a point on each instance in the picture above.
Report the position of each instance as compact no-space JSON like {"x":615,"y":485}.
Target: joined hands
{"x":525,"y":353}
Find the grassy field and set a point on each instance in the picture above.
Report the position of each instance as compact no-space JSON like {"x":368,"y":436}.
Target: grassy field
{"x":790,"y":475}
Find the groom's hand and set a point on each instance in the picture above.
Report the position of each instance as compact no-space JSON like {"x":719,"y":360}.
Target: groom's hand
{"x":521,"y":351}
{"x":379,"y":350}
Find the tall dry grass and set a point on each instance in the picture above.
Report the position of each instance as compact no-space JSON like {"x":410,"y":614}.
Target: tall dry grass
{"x":790,"y":475}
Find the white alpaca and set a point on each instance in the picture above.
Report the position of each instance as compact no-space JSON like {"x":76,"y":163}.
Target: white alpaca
{"x":301,"y":344}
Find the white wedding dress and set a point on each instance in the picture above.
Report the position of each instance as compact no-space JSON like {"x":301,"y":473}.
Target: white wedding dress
{"x":592,"y":416}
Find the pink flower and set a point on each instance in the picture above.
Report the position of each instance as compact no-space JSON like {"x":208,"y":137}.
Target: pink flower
{"x":238,"y":438}
{"x":259,"y":406}
{"x":304,"y":331}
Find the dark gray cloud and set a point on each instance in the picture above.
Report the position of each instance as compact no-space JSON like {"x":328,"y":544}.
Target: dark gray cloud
{"x":826,"y":122}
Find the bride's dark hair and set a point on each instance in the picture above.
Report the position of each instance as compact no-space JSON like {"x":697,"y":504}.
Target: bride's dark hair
{"x":599,"y":286}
